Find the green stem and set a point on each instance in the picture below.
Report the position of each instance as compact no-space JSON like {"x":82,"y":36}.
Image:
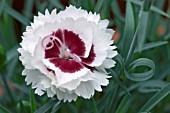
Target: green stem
{"x":95,"y":106}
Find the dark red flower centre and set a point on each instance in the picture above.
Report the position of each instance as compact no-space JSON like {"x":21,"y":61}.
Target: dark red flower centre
{"x":66,"y":50}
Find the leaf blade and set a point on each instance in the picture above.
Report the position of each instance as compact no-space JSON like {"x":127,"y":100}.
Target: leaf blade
{"x":140,"y":76}
{"x":16,"y":15}
{"x":155,"y":99}
{"x":46,"y":107}
{"x":124,"y":104}
{"x":151,"y":45}
{"x":3,"y":109}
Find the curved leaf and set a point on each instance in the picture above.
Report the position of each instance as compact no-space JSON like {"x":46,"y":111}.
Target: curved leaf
{"x":140,"y":76}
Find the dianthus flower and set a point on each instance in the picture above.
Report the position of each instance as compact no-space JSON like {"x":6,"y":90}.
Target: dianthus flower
{"x":66,"y":54}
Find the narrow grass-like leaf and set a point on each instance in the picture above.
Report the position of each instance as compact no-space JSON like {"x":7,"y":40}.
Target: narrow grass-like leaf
{"x":124,"y":104}
{"x":10,"y":93}
{"x":131,"y":88}
{"x":12,"y":53}
{"x":22,"y":108}
{"x":3,"y":109}
{"x":167,"y":36}
{"x":91,"y":4}
{"x":146,"y":5}
{"x":116,"y":10}
{"x":57,"y":4}
{"x":159,"y":11}
{"x":141,"y":76}
{"x":151,"y":45}
{"x":152,"y":86}
{"x":153,"y":8}
{"x":112,"y":101}
{"x":8,"y":34}
{"x":2,"y":6}
{"x":71,"y":107}
{"x":104,"y":99}
{"x":28,"y":7}
{"x":2,"y":58}
{"x":16,"y":15}
{"x":116,"y":79}
{"x":56,"y":107}
{"x":128,"y":30}
{"x":156,"y":99}
{"x":98,"y":5}
{"x":132,"y":47}
{"x":143,"y":20}
{"x":142,"y":29}
{"x":94,"y":106}
{"x":105,"y":12}
{"x":32,"y":101}
{"x":21,"y":88}
{"x":46,"y":107}
{"x":119,"y":20}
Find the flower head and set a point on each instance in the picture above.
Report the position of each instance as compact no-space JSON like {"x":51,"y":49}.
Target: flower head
{"x":66,"y":54}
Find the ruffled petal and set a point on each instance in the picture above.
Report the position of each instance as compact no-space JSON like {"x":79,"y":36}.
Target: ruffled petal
{"x":64,"y":77}
{"x":85,"y":89}
{"x":84,"y":30}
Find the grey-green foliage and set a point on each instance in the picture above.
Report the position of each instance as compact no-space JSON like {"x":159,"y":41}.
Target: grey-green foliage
{"x":140,"y":79}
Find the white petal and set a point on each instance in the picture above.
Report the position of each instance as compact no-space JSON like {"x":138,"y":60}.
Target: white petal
{"x":46,"y":82}
{"x":26,"y":58}
{"x":50,"y":93}
{"x":72,"y":12}
{"x":101,"y":43}
{"x":72,"y":85}
{"x":87,"y":77}
{"x":83,"y":28}
{"x":108,"y":63}
{"x":103,"y":23}
{"x":39,"y":89}
{"x":111,"y":53}
{"x":110,"y":31}
{"x":93,"y":17}
{"x":101,"y":78}
{"x":64,"y":95}
{"x":85,"y":89}
{"x":96,"y":86}
{"x":25,"y":72}
{"x":63,"y":77}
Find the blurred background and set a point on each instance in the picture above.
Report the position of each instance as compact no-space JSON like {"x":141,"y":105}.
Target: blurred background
{"x":15,"y":15}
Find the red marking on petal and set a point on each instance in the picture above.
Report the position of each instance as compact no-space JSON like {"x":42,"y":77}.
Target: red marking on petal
{"x":90,"y":58}
{"x":67,"y":65}
{"x":59,"y":35}
{"x":54,"y":45}
{"x":74,"y":43}
{"x":53,"y":52}
{"x":50,"y":70}
{"x":89,"y":67}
